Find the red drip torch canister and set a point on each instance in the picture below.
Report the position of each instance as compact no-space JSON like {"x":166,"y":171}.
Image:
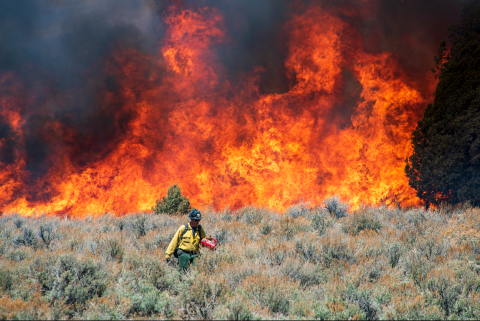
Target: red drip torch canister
{"x":209,"y":244}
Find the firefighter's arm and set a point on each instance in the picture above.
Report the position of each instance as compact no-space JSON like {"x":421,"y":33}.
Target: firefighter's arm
{"x":174,"y":242}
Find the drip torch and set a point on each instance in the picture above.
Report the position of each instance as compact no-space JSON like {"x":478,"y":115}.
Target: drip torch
{"x":209,"y":244}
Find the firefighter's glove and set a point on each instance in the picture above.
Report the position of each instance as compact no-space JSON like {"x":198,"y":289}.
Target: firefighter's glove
{"x":208,"y":238}
{"x":167,"y":258}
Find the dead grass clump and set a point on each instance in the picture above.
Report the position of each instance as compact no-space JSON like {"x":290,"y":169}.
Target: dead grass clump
{"x":336,"y":250}
{"x":36,"y":308}
{"x":234,"y":273}
{"x":111,"y":307}
{"x":275,"y":253}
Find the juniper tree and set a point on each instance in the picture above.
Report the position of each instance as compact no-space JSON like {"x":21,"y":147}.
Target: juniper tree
{"x":174,"y":203}
{"x":445,"y":164}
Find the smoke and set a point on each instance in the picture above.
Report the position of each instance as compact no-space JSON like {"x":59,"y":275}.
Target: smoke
{"x":57,"y":51}
{"x":412,"y":30}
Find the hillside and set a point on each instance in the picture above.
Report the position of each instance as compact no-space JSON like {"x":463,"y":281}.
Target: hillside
{"x":375,"y":263}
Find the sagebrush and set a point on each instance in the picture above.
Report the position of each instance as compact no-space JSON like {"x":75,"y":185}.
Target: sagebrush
{"x":305,"y":263}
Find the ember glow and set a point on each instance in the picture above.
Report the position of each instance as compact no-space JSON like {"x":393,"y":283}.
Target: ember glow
{"x":179,"y":118}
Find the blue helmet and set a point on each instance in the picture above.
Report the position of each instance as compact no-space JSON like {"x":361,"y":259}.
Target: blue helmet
{"x":195,"y":215}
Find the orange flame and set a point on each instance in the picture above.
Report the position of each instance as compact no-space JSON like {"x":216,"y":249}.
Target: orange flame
{"x":227,"y":144}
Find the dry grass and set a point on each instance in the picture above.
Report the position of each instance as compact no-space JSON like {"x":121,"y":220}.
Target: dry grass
{"x":306,"y":263}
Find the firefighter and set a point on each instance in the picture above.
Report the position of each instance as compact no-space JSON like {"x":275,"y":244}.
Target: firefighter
{"x":185,"y":244}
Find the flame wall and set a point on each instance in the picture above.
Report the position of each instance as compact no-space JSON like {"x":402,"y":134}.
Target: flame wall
{"x":336,"y":121}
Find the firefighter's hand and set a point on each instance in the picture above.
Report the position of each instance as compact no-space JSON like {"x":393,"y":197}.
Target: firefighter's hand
{"x":208,"y":238}
{"x":167,"y":258}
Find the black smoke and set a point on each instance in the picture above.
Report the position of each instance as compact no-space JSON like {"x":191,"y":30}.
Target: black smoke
{"x":57,"y":50}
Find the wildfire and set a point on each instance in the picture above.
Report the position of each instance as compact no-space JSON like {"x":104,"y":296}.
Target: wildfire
{"x":225,"y":143}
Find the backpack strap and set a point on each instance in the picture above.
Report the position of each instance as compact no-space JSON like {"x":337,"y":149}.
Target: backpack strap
{"x":180,"y":240}
{"x":184,"y":231}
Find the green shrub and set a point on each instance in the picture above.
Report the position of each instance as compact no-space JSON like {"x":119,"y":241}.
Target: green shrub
{"x":276,"y":301}
{"x":114,"y":249}
{"x":239,"y":311}
{"x":138,"y":224}
{"x":6,"y":233}
{"x":205,"y":294}
{"x":3,"y":247}
{"x":174,"y":203}
{"x":6,"y":280}
{"x":394,"y":252}
{"x":468,"y":308}
{"x":145,"y":299}
{"x":250,"y":215}
{"x":111,"y":307}
{"x":41,"y":269}
{"x":417,"y":267}
{"x":323,"y":313}
{"x":364,"y":299}
{"x":335,"y":207}
{"x":307,"y":274}
{"x":362,"y":221}
{"x":307,"y":251}
{"x":445,"y":289}
{"x":334,"y":250}
{"x":339,"y":309}
{"x":18,"y":255}
{"x":272,"y":293}
{"x":289,"y":227}
{"x":77,"y":281}
{"x":18,"y":221}
{"x":300,"y":209}
{"x":320,"y":222}
{"x":430,"y":246}
{"x":266,"y":228}
{"x":274,"y":256}
{"x":27,"y":238}
{"x":46,"y":232}
{"x":161,"y":278}
{"x":384,"y":297}
{"x":221,"y":235}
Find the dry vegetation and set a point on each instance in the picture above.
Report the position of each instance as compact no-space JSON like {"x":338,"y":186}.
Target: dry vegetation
{"x":319,"y":263}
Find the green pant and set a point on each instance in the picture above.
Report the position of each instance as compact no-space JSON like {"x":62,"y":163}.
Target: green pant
{"x":184,"y":261}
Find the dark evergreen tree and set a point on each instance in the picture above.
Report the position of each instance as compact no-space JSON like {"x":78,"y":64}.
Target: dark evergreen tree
{"x":174,"y":203}
{"x":445,"y":164}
